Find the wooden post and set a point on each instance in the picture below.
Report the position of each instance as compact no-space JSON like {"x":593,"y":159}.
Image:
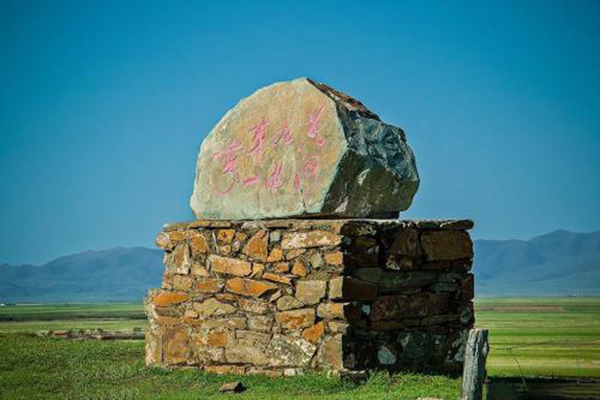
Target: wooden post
{"x":474,"y":370}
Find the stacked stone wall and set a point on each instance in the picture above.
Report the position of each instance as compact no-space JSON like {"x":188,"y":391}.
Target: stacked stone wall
{"x":286,"y":296}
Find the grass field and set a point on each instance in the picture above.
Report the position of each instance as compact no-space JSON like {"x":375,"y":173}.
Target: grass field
{"x":43,"y":368}
{"x":31,"y":318}
{"x":550,"y":336}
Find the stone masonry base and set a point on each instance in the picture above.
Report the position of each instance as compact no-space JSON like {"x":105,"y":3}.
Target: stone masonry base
{"x":287,"y":296}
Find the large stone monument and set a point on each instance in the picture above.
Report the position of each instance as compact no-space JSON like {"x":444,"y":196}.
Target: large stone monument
{"x":301,"y":148}
{"x":283,"y":272}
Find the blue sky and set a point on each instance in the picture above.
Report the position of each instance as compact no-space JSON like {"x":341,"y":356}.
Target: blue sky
{"x":103,"y":106}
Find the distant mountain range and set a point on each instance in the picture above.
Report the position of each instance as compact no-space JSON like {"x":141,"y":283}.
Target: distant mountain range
{"x":119,"y":274}
{"x":559,"y":263}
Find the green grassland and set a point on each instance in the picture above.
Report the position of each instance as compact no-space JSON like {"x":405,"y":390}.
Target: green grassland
{"x":39,"y":317}
{"x":49,"y":368}
{"x":547,"y":336}
{"x":51,"y":312}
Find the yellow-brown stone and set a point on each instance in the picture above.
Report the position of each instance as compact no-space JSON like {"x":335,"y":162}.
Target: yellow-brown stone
{"x":166,"y":299}
{"x":317,"y":238}
{"x":331,"y":352}
{"x":258,"y":246}
{"x":241,"y":236}
{"x":177,"y":236}
{"x":314,"y":333}
{"x":225,"y":369}
{"x":294,"y":253}
{"x":254,"y":306}
{"x":179,"y":261}
{"x":176,"y":345}
{"x":299,"y":269}
{"x":224,"y":250}
{"x":192,"y":321}
{"x":183,"y":283}
{"x":311,"y":292}
{"x":217,"y":339}
{"x":282,"y":268}
{"x":276,"y":255}
{"x":249,"y":287}
{"x":257,"y":269}
{"x":213,"y":307}
{"x":295,"y":319}
{"x":166,"y":321}
{"x":288,"y":303}
{"x":226,"y":297}
{"x":198,"y":243}
{"x":230,"y":322}
{"x":338,"y":326}
{"x":277,"y":278}
{"x":344,"y":311}
{"x":199,"y":270}
{"x":209,"y":285}
{"x":334,"y":258}
{"x":153,"y":346}
{"x":225,"y":236}
{"x":231,"y":266}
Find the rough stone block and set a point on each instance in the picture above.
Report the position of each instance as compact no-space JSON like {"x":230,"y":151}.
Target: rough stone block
{"x":288,"y":303}
{"x":254,"y":306}
{"x":290,"y":351}
{"x":311,"y":292}
{"x":166,"y":299}
{"x":209,"y":285}
{"x":301,"y":240}
{"x":258,"y":246}
{"x":250,"y":347}
{"x":346,"y":288}
{"x":314,"y":333}
{"x":229,"y":266}
{"x":411,"y":306}
{"x":295,"y":319}
{"x":342,"y":311}
{"x":213,"y":307}
{"x":249,"y":287}
{"x":178,"y":349}
{"x":447,"y":245}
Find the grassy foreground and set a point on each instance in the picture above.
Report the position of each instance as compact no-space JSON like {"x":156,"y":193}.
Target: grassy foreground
{"x":551,"y":336}
{"x":36,"y":368}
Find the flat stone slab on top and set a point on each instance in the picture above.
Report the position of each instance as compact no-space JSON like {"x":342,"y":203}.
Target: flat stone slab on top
{"x":303,"y":149}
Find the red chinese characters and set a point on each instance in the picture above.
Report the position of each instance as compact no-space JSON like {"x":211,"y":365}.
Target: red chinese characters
{"x":274,"y":176}
{"x":229,"y":158}
{"x":283,"y":133}
{"x":313,"y":127}
{"x":258,"y":140}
